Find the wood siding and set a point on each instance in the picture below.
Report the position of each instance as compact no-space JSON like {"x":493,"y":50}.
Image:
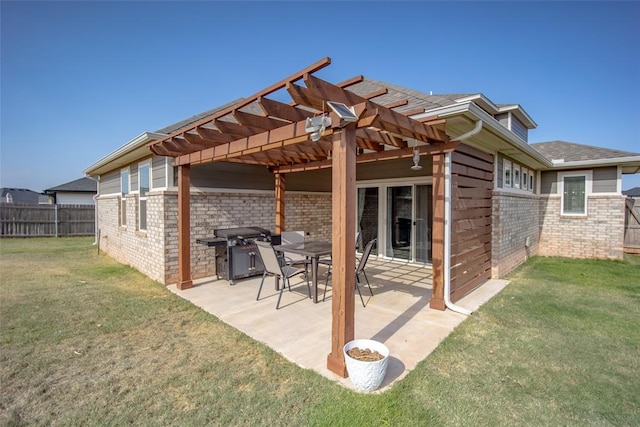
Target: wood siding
{"x":512,"y":123}
{"x":605,"y":180}
{"x":472,"y":191}
{"x":519,"y":129}
{"x":159,"y":171}
{"x":109,"y":183}
{"x":549,"y":182}
{"x":133,"y":176}
{"x":393,"y":169}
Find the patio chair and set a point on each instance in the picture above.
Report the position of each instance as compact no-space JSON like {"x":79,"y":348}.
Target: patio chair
{"x":274,"y":267}
{"x":359,"y":270}
{"x":327,"y":261}
{"x":289,"y":237}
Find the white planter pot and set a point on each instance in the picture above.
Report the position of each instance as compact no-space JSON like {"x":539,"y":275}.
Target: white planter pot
{"x":366,"y":376}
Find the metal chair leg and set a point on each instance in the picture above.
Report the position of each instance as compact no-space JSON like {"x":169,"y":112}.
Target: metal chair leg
{"x":326,"y":284}
{"x":284,"y":279}
{"x":358,"y":289}
{"x":261,"y":283}
{"x":368,"y":284}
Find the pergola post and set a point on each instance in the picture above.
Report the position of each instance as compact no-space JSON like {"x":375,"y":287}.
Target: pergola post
{"x":184,"y":227}
{"x":437,"y":294}
{"x":280,"y":204}
{"x":343,"y":250}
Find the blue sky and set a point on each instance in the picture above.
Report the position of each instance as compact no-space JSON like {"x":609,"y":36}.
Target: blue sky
{"x":79,"y":79}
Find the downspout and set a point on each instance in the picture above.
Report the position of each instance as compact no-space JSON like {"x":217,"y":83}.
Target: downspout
{"x":447,"y":223}
{"x":95,"y":207}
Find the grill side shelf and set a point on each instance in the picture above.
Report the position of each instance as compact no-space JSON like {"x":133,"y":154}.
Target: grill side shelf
{"x":215,"y":241}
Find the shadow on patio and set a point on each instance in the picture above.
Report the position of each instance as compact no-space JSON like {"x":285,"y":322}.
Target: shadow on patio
{"x":398,"y":315}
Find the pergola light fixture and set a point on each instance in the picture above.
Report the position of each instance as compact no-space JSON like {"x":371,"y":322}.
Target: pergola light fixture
{"x":346,"y":114}
{"x":416,"y":158}
{"x":316,"y":126}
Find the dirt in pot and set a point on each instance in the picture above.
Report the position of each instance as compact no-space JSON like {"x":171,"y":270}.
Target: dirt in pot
{"x":364,"y":355}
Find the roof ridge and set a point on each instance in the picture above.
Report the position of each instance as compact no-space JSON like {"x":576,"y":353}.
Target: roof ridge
{"x":596,"y":147}
{"x":410,"y":91}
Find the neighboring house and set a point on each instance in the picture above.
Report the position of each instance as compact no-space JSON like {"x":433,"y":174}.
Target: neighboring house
{"x":22,"y":196}
{"x":632,"y":192}
{"x":78,"y":192}
{"x":510,"y":199}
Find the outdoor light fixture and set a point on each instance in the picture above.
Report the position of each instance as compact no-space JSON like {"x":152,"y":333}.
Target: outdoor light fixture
{"x":416,"y":159}
{"x":346,"y":114}
{"x":316,"y":126}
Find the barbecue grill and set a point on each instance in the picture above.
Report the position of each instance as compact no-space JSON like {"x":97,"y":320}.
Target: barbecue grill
{"x":236,"y":254}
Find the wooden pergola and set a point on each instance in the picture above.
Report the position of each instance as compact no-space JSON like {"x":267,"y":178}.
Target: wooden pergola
{"x":260,"y":130}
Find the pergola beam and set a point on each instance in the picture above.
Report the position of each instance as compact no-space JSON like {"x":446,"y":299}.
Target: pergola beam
{"x":257,"y":122}
{"x":424,"y":150}
{"x":273,"y":88}
{"x":285,"y":111}
{"x":399,"y":123}
{"x":213,"y":135}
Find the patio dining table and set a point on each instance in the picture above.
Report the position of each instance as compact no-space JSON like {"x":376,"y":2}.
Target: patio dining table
{"x":312,"y":249}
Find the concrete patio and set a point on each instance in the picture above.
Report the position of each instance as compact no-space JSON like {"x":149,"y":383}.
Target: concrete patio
{"x":398,"y":315}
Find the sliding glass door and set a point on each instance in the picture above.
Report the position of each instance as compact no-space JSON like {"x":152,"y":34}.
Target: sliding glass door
{"x":367,"y":222}
{"x":399,"y":222}
{"x":400,"y":217}
{"x":423,"y":221}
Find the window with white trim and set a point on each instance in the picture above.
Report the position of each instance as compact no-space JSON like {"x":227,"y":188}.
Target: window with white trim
{"x":516,"y":176}
{"x":531,"y":181}
{"x":144,"y":181}
{"x":507,"y":173}
{"x":525,"y":179}
{"x":124,"y":190}
{"x":574,"y":188}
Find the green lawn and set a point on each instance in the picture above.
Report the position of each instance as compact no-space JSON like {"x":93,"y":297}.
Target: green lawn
{"x":86,"y":341}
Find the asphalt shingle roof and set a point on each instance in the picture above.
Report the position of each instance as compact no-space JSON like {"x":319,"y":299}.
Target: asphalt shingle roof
{"x":82,"y":185}
{"x":186,"y":122}
{"x":572,"y":152}
{"x":632,"y":192}
{"x":20,"y":196}
{"x":415,"y":98}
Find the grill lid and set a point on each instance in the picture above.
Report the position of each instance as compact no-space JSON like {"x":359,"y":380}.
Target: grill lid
{"x":245,"y":232}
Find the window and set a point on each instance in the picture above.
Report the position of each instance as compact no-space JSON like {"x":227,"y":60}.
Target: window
{"x":525,"y":179}
{"x":507,"y":173}
{"x":516,"y":176}
{"x":143,"y":188}
{"x":574,"y":189}
{"x":531,"y":181}
{"x":124,"y":190}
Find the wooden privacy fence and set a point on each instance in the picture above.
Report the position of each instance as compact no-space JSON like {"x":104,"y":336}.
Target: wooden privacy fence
{"x":46,"y":220}
{"x":632,"y":226}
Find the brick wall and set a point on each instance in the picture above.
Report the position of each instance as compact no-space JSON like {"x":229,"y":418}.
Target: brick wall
{"x":515,"y":218}
{"x":598,"y":235}
{"x":143,"y":250}
{"x":155,"y":252}
{"x":311,"y":213}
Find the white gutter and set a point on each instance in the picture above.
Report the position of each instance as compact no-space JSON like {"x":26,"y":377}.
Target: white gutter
{"x":137,"y":142}
{"x":489,"y":122}
{"x":95,"y":205}
{"x":447,"y":224}
{"x":614,"y":161}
